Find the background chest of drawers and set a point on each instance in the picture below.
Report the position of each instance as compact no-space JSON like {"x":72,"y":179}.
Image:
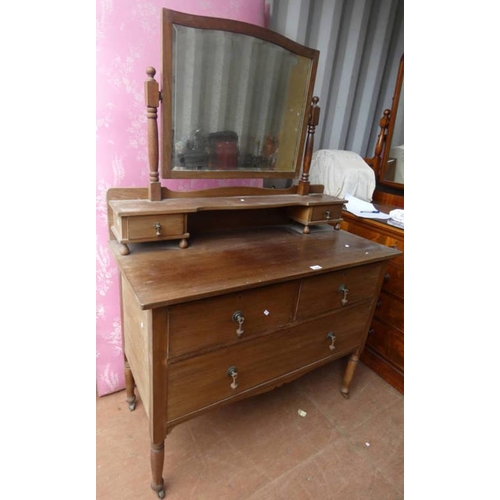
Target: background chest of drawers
{"x":384,"y":350}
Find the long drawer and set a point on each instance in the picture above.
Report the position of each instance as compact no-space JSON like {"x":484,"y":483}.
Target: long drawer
{"x":327,"y":292}
{"x":206,"y":379}
{"x":214,"y":322}
{"x":390,"y":310}
{"x":388,"y":342}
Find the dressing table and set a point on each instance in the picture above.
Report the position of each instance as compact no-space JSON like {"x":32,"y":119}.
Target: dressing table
{"x":384,"y":350}
{"x":230,"y":292}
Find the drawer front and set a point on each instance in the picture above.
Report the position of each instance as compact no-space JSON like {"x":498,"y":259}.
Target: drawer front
{"x":383,"y":239}
{"x":146,"y":227}
{"x":394,"y":280}
{"x":326,"y":213}
{"x":203,"y":380}
{"x":324,"y":292}
{"x":208,"y":323}
{"x":387,"y":342}
{"x":390,"y":310}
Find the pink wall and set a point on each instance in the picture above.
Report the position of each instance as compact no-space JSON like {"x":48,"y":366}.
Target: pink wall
{"x":128,"y":40}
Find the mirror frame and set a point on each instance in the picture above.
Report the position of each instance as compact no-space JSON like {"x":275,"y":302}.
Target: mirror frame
{"x":390,"y":128}
{"x":171,"y":17}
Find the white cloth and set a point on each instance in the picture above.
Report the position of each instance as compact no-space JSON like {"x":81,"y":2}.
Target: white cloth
{"x":342,"y":172}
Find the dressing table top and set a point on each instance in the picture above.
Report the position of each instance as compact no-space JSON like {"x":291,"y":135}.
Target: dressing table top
{"x":230,"y":261}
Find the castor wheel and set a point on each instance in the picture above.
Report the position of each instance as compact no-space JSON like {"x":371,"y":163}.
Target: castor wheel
{"x":344,"y":394}
{"x":161,"y":494}
{"x":131,"y":406}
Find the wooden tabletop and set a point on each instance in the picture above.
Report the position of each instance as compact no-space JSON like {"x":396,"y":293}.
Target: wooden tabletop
{"x":162,"y":274}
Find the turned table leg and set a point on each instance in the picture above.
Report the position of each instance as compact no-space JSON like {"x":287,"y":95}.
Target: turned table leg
{"x":349,"y":373}
{"x":157,"y":458}
{"x":129,"y":386}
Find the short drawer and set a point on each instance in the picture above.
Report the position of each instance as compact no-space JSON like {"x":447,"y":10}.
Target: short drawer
{"x":327,"y":292}
{"x":394,"y":280}
{"x":204,"y":380}
{"x":316,"y":214}
{"x":387,"y":342}
{"x":390,"y":310}
{"x":152,"y":227}
{"x":212,"y":322}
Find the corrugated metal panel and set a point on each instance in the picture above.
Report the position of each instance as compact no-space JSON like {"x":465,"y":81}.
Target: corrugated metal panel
{"x":360,"y":44}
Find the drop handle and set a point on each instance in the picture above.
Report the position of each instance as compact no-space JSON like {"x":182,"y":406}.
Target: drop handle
{"x":331,"y":337}
{"x":157,"y":227}
{"x":233,"y":373}
{"x":327,"y":215}
{"x":238,"y":316}
{"x":344,"y":291}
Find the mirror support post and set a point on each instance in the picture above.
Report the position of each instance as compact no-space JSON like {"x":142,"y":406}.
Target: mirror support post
{"x":303,"y":187}
{"x":152,"y":95}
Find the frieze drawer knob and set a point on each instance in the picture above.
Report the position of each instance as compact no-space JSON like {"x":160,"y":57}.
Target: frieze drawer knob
{"x":157,"y":227}
{"x":327,"y":215}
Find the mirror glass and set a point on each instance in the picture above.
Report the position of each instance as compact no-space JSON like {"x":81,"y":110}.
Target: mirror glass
{"x":394,"y":170}
{"x":238,"y":104}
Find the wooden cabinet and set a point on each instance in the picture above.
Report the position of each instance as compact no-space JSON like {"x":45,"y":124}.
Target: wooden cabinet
{"x":384,"y":351}
{"x":241,"y":312}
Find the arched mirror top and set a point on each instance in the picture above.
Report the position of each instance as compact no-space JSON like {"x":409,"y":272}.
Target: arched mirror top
{"x":236,"y":99}
{"x":392,"y":163}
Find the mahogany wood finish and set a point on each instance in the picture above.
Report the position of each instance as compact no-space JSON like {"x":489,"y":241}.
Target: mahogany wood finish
{"x":182,"y":338}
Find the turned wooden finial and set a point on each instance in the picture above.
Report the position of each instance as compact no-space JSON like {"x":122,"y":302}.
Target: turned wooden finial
{"x":303,"y":187}
{"x":152,"y":96}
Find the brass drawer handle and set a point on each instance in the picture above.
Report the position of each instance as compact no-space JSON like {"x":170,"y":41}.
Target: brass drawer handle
{"x":344,"y":290}
{"x":157,"y":227}
{"x":238,"y":316}
{"x":327,"y":214}
{"x":233,"y":372}
{"x":332,"y":338}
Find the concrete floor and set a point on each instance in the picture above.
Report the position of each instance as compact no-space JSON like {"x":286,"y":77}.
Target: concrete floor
{"x":261,"y":448}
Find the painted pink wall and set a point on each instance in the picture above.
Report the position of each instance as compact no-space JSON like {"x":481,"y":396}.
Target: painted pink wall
{"x":128,"y":40}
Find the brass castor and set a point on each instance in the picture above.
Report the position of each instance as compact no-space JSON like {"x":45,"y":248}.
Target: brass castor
{"x":161,"y":493}
{"x":131,"y":406}
{"x":344,"y":394}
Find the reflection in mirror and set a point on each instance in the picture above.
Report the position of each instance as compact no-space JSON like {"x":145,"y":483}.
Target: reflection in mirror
{"x":238,"y":102}
{"x":394,"y":171}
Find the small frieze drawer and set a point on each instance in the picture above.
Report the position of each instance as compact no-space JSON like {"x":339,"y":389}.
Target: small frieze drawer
{"x":203,"y":380}
{"x":330,"y":291}
{"x":150,"y":227}
{"x":316,"y":214}
{"x":231,"y":318}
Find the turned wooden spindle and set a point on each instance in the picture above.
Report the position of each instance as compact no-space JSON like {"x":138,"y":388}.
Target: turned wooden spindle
{"x":379,"y":146}
{"x":303,"y":187}
{"x":152,"y":95}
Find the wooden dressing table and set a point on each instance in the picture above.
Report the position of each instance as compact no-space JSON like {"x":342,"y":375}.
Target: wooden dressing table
{"x":232,"y":292}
